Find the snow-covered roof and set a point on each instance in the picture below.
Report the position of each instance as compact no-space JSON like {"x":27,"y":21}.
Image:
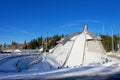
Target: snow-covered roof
{"x":89,"y":36}
{"x":27,"y":50}
{"x":68,"y":37}
{"x":17,"y":51}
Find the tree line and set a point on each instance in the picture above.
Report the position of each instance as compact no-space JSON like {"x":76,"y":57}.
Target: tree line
{"x":50,"y":42}
{"x":40,"y":42}
{"x":107,"y":42}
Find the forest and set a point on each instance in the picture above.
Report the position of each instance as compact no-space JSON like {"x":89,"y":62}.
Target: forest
{"x":50,"y":42}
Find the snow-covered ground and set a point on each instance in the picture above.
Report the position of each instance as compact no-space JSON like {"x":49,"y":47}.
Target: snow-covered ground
{"x":40,"y":67}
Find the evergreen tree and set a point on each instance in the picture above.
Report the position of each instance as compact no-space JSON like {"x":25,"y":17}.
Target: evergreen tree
{"x":107,"y":42}
{"x":25,"y":45}
{"x":39,"y":40}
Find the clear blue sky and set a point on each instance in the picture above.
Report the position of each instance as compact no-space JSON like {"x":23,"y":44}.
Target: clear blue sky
{"x":22,"y":20}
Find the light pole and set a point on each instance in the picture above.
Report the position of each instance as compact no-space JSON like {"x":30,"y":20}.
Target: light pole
{"x":112,"y":40}
{"x":46,"y":42}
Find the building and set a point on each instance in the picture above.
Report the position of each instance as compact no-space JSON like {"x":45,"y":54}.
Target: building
{"x":78,"y":49}
{"x":27,"y":51}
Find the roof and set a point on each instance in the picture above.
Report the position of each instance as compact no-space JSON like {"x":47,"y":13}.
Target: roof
{"x":90,"y":35}
{"x":68,"y":37}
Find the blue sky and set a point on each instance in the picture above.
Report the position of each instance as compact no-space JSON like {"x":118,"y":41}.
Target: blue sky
{"x":22,"y":20}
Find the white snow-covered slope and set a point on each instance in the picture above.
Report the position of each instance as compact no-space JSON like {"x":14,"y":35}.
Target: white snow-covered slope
{"x":76,"y":54}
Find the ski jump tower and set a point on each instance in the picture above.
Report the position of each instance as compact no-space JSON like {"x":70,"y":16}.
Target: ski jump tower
{"x":78,"y":49}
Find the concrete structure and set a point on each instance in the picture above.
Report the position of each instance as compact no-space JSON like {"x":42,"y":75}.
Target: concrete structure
{"x":78,"y":49}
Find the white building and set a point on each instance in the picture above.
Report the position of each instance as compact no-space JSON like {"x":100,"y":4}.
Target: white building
{"x":78,"y":49}
{"x":27,"y":51}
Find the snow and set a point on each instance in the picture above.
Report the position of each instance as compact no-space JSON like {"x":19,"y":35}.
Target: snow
{"x":47,"y":68}
{"x":88,"y":37}
{"x":60,"y":53}
{"x":60,"y":73}
{"x":10,"y":63}
{"x":76,"y":54}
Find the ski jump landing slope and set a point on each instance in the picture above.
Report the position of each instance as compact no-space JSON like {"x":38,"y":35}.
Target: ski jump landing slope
{"x":76,"y":54}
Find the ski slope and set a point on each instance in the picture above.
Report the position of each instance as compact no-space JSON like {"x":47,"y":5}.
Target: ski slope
{"x":76,"y":54}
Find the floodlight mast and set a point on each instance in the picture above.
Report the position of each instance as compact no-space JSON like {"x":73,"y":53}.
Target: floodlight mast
{"x":112,"y":40}
{"x":119,"y":43}
{"x":46,"y":48}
